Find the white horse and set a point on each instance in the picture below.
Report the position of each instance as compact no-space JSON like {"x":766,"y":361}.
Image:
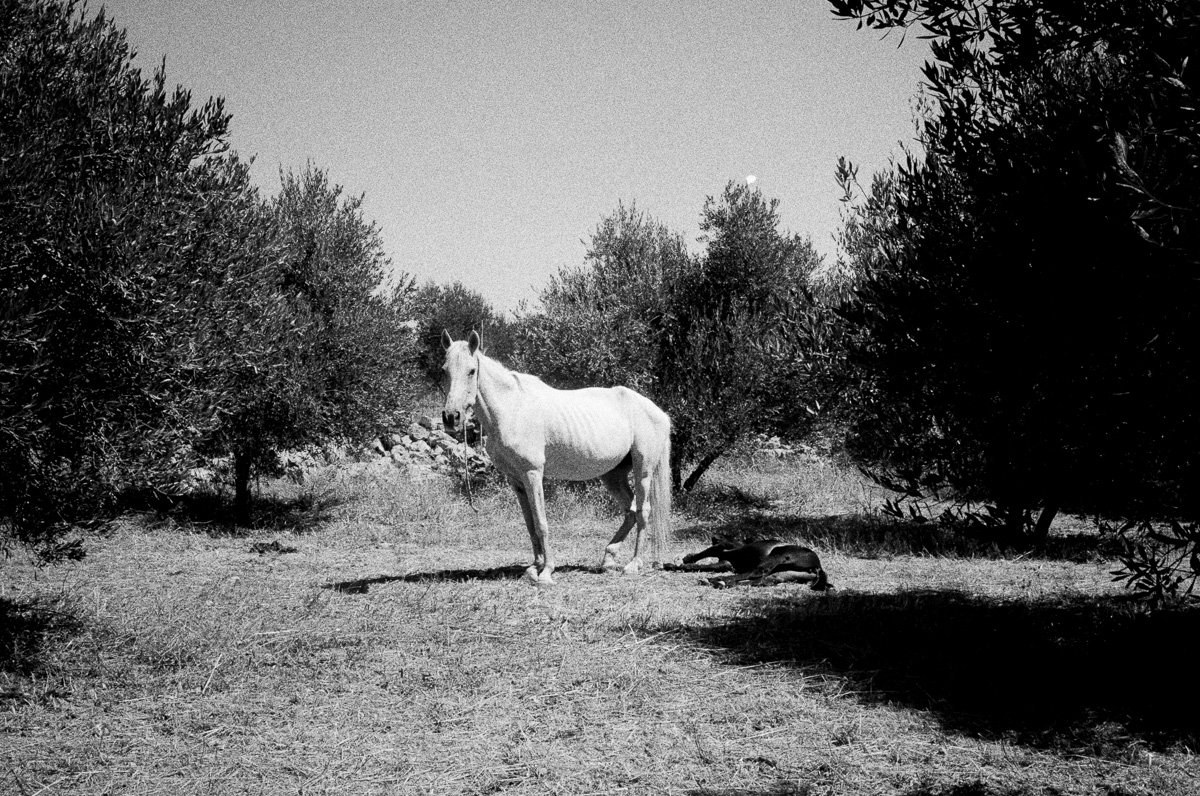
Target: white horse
{"x":535,"y":431}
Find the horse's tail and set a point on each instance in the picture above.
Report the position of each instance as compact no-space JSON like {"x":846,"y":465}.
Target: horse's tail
{"x":659,"y":494}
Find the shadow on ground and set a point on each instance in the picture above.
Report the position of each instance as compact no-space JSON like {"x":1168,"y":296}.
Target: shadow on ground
{"x":874,"y":536}
{"x":27,"y":629}
{"x":1091,"y":674}
{"x":509,"y":572}
{"x":975,"y":788}
{"x":213,"y":512}
{"x":780,"y":789}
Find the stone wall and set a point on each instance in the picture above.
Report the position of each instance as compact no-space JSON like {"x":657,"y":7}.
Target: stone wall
{"x":426,"y":446}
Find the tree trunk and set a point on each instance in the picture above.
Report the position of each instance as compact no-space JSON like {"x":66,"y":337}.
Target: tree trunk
{"x":1041,"y":528}
{"x":702,"y":467}
{"x":241,"y":487}
{"x":1014,"y":521}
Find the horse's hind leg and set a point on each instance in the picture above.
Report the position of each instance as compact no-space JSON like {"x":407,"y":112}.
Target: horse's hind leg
{"x":617,"y":483}
{"x":641,"y":510}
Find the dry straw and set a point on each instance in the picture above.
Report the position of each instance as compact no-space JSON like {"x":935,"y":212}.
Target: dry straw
{"x":397,"y":652}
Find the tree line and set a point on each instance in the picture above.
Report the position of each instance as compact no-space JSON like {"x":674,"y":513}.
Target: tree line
{"x":1009,"y":319}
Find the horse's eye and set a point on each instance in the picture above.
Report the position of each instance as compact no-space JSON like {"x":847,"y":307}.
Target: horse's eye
{"x":471,"y":372}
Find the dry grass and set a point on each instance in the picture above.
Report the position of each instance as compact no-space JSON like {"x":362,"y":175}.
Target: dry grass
{"x":396,"y":652}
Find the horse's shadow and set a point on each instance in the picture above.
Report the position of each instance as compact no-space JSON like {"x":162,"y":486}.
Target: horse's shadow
{"x":507,"y":572}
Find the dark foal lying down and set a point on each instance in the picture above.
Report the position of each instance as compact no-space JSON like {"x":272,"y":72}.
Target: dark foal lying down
{"x":764,"y":563}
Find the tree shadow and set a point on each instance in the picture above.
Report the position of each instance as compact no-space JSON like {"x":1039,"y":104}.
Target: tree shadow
{"x":975,"y":788}
{"x":779,"y":789}
{"x":508,"y":572}
{"x":875,"y":536}
{"x":213,"y":512}
{"x":720,"y":501}
{"x":1078,"y":672}
{"x":27,"y":629}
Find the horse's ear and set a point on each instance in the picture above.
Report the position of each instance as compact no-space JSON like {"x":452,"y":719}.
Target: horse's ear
{"x":473,"y":342}
{"x":446,"y":339}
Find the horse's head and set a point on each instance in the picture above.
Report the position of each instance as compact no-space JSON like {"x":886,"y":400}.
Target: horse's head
{"x":462,"y":377}
{"x":724,"y":544}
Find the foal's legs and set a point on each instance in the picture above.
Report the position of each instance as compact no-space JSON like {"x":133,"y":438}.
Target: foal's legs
{"x":770,"y":572}
{"x":533,"y":505}
{"x":617,"y":483}
{"x":770,"y":579}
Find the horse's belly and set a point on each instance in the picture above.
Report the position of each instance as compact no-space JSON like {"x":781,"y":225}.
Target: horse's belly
{"x":587,"y":448}
{"x":573,"y":435}
{"x":571,"y":464}
{"x":571,"y":457}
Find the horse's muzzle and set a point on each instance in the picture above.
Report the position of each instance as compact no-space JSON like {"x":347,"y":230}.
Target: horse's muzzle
{"x":451,"y":419}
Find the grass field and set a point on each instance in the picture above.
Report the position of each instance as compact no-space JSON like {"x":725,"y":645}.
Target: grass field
{"x":372,"y":636}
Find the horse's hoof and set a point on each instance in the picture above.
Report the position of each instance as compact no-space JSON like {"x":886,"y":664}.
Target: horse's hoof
{"x":717,"y":583}
{"x":609,"y":564}
{"x":634,"y":567}
{"x":540,"y":579}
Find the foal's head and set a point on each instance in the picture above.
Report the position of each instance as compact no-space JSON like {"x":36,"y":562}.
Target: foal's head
{"x":462,"y":375}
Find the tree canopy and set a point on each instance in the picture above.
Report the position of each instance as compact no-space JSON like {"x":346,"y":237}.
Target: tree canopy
{"x":323,"y":353}
{"x":714,"y":338}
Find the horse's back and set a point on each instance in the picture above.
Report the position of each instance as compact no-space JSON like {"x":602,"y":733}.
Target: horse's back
{"x":589,"y":431}
{"x":652,"y":426}
{"x":610,"y":407}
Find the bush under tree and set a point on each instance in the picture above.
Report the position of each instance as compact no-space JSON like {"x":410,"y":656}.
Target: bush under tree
{"x":324,"y":351}
{"x":458,"y":310}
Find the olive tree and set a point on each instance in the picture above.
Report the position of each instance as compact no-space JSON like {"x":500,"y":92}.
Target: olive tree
{"x":121,"y":212}
{"x":324,"y":353}
{"x":718,"y":339}
{"x":1022,"y":326}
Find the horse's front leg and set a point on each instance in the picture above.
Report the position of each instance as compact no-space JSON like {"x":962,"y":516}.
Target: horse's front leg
{"x":539,"y":556}
{"x":533,"y":504}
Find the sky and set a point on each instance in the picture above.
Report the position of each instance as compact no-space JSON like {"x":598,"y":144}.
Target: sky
{"x":489,"y":139}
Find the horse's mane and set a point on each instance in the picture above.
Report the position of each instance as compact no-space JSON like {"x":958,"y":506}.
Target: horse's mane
{"x":522,"y":379}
